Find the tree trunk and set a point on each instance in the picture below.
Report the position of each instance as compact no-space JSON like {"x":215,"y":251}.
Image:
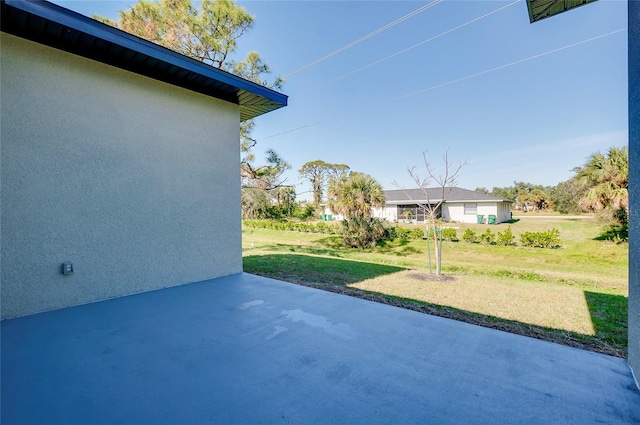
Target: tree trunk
{"x":436,"y":247}
{"x":438,"y":253}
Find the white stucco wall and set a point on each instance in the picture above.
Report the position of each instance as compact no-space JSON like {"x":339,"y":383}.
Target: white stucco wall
{"x":334,"y":216}
{"x":455,"y":212}
{"x":504,"y":211}
{"x":134,"y":181}
{"x":486,"y":209}
{"x":389,"y":213}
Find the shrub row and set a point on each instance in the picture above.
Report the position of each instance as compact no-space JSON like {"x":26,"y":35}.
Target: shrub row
{"x":448,"y":234}
{"x":391,"y":233}
{"x":293,"y":226}
{"x":505,"y":238}
{"x":402,"y":233}
{"x":547,"y":239}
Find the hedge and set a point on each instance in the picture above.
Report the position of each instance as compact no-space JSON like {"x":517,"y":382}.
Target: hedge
{"x":548,"y":239}
{"x":293,"y":226}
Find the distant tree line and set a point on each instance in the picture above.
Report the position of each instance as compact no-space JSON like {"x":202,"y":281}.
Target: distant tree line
{"x":600,"y":186}
{"x":268,"y":198}
{"x":349,"y":193}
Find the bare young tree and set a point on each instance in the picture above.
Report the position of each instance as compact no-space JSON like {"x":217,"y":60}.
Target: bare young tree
{"x":434,"y":197}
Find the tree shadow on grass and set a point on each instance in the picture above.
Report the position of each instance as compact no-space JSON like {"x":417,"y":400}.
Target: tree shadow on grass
{"x":332,"y":246}
{"x":299,"y":268}
{"x":397,"y":247}
{"x":608,"y":346}
{"x":512,"y":221}
{"x":608,"y":316}
{"x":616,"y":234}
{"x":333,"y":242}
{"x":608,"y":312}
{"x":305,"y":249}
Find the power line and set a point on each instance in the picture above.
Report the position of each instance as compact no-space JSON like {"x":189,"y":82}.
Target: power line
{"x":498,"y":68}
{"x":477,"y":74}
{"x":366,"y":37}
{"x":407,"y":49}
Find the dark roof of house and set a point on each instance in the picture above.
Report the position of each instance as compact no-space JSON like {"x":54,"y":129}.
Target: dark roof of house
{"x":57,"y":27}
{"x":451,"y":194}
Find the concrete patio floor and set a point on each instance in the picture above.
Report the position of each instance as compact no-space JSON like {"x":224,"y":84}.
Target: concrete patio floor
{"x":249,"y":350}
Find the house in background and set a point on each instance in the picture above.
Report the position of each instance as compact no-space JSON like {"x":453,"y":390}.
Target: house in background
{"x":460,"y":205}
{"x":120,"y":160}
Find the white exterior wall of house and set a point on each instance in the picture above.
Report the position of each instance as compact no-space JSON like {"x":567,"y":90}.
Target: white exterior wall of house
{"x":389,"y":213}
{"x":455,"y":211}
{"x":334,"y":216}
{"x":487,"y":209}
{"x":134,"y":181}
{"x":504,"y":212}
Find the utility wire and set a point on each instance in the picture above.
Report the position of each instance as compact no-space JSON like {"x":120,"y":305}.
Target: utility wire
{"x":477,"y":74}
{"x":568,"y":46}
{"x":407,"y":49}
{"x":366,"y":37}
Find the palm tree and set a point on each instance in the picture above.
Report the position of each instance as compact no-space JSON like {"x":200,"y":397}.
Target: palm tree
{"x":607,"y":177}
{"x":355,"y":195}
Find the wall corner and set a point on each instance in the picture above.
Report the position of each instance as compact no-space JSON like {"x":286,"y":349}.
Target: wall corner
{"x":634,"y":186}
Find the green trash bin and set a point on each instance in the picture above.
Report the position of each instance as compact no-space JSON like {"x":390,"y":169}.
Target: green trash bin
{"x":492,"y":219}
{"x":323,"y":217}
{"x":480,"y":219}
{"x":329,"y":217}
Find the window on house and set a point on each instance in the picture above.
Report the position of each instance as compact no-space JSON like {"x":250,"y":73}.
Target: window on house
{"x":470,"y":209}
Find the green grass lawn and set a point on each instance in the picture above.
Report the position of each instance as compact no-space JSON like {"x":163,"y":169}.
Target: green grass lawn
{"x":575,"y":295}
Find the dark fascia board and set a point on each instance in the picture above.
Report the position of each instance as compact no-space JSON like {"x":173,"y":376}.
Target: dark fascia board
{"x":542,"y":9}
{"x":447,"y":201}
{"x":55,"y":26}
{"x":452,"y":195}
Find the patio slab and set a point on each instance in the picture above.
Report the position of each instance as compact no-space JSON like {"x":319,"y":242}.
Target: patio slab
{"x":250,"y":350}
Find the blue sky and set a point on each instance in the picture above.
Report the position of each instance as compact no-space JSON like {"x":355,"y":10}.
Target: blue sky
{"x":519,"y":102}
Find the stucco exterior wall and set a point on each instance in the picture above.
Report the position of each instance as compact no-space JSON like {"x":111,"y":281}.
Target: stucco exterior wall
{"x":486,"y":209}
{"x":388,"y":212}
{"x":504,"y":212}
{"x":134,"y":181}
{"x":454,"y":211}
{"x":634,"y":187}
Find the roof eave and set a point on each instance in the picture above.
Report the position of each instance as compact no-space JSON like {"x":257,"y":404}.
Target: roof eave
{"x":413,"y":201}
{"x":480,"y":201}
{"x":435,"y":201}
{"x":81,"y":35}
{"x":543,"y":9}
